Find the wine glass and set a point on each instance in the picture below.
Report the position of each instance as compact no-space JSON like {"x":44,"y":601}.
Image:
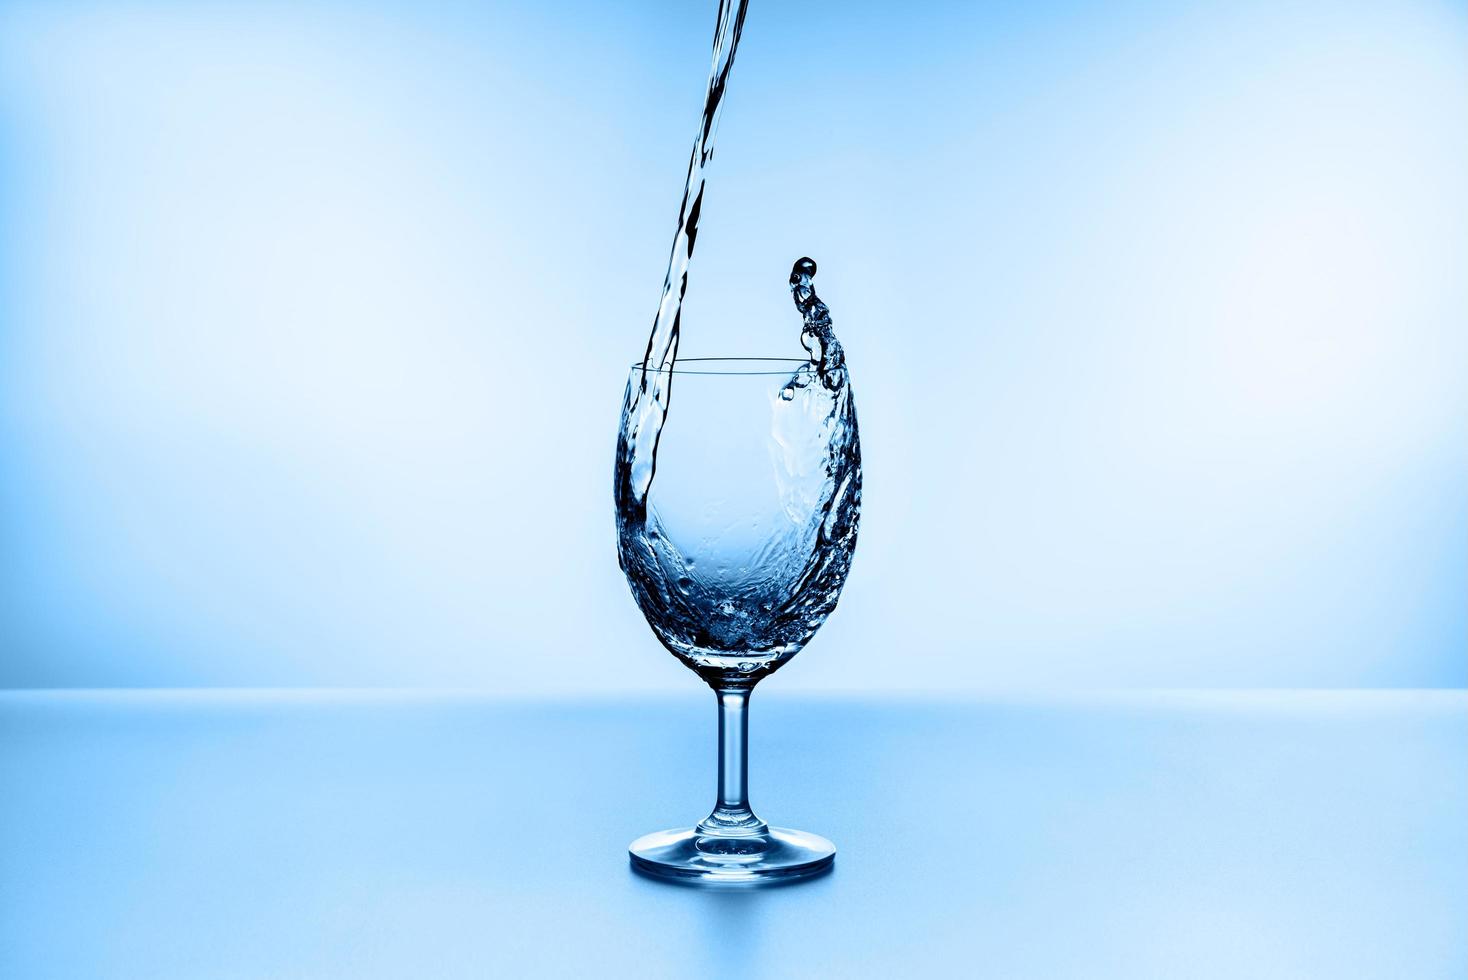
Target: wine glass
{"x":736,"y":551}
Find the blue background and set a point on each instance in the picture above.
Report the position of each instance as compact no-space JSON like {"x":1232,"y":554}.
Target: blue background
{"x":314,"y":320}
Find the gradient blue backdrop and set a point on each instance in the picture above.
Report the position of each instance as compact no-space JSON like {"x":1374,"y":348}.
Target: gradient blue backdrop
{"x":314,"y":320}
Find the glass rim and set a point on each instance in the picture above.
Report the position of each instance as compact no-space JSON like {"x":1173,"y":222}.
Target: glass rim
{"x":745,"y":365}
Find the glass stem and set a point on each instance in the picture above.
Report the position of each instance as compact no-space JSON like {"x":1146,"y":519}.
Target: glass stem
{"x":732,"y":816}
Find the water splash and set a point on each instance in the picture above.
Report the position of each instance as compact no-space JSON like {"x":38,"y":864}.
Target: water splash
{"x":816,"y":336}
{"x":735,"y":612}
{"x":733,"y":621}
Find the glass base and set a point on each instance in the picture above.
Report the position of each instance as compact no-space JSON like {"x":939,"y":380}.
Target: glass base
{"x":775,"y":856}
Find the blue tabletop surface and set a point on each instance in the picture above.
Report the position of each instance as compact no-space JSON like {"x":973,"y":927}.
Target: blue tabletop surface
{"x":257,"y":834}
